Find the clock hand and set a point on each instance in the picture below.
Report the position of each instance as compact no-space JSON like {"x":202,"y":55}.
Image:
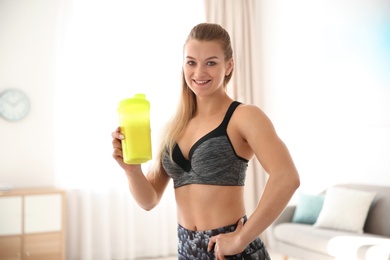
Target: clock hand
{"x":17,"y":102}
{"x":12,"y":103}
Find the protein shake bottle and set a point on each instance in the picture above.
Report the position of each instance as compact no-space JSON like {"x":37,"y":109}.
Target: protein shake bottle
{"x":134,"y":122}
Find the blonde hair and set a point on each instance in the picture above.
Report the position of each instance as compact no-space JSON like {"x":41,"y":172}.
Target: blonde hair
{"x":187,"y":105}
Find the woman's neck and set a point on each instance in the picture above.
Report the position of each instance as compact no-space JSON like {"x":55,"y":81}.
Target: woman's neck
{"x":207,"y":107}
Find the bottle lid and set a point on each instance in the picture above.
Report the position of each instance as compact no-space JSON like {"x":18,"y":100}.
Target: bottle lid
{"x":140,"y":96}
{"x":137,"y":99}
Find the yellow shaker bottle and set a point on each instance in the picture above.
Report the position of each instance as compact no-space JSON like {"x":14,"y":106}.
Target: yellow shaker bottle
{"x":134,"y":122}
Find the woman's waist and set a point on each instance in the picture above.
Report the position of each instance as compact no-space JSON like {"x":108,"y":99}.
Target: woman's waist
{"x":214,"y":231}
{"x":206,"y":209}
{"x":211,"y":223}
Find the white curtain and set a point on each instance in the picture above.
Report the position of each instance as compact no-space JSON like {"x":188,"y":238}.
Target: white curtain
{"x":107,"y":51}
{"x":109,"y":225}
{"x":239,"y":19}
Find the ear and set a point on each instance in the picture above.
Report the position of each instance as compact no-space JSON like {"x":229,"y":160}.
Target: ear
{"x":230,"y":65}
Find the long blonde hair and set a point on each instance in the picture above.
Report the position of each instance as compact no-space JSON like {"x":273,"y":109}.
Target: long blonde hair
{"x":187,"y":105}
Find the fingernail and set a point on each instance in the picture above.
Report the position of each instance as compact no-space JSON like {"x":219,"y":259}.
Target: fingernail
{"x":121,"y":136}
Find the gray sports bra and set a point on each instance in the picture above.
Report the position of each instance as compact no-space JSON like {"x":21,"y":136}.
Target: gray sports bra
{"x":212,"y":160}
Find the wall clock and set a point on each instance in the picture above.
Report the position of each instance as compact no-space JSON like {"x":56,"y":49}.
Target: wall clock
{"x":14,"y":104}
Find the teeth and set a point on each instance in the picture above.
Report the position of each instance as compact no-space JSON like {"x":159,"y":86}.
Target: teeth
{"x":200,"y":81}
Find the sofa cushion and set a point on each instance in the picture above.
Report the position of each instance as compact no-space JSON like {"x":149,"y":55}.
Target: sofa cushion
{"x":304,"y":236}
{"x":378,"y":217}
{"x":345,"y":209}
{"x":308,"y":208}
{"x":327,"y":241}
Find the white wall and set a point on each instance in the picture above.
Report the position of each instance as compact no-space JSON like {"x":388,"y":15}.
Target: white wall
{"x":329,"y":103}
{"x":27,"y":45}
{"x":76,"y":60}
{"x":327,"y":84}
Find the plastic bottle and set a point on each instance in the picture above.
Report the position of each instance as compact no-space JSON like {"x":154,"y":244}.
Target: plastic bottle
{"x":134,"y":122}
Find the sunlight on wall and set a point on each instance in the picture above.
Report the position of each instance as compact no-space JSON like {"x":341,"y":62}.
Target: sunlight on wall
{"x":108,"y":51}
{"x":328,"y":87}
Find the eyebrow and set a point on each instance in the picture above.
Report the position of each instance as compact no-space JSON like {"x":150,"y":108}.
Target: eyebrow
{"x":209,"y":58}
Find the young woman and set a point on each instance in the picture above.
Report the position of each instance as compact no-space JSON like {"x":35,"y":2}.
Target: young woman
{"x":206,"y":150}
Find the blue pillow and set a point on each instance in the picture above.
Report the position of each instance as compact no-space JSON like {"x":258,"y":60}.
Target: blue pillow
{"x":308,"y":208}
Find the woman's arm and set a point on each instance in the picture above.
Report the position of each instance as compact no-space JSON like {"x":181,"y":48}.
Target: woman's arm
{"x":258,"y":132}
{"x":146,"y":190}
{"x":273,"y":155}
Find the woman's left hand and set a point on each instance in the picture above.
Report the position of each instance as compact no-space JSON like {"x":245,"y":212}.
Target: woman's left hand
{"x":226,"y":244}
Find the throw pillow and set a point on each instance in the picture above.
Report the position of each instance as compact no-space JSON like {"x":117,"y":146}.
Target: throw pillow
{"x":345,"y":209}
{"x":308,"y":208}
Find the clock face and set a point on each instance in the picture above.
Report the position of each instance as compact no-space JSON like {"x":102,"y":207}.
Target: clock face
{"x":14,"y":105}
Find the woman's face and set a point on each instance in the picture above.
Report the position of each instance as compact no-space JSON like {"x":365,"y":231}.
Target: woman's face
{"x":205,"y":67}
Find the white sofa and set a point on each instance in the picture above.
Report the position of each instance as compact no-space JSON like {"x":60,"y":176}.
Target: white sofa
{"x":311,"y":242}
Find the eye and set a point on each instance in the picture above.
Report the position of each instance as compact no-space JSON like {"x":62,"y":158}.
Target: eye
{"x":191,"y":62}
{"x":211,"y":63}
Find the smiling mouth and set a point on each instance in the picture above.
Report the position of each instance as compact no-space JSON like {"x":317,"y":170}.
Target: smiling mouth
{"x":201,"y":82}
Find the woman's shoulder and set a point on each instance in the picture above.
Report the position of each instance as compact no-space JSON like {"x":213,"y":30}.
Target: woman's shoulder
{"x":249,"y":114}
{"x":245,"y":110}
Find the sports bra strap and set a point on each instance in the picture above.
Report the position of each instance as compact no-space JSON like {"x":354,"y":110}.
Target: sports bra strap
{"x":229,"y":114}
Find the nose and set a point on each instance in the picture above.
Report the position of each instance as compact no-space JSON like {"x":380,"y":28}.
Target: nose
{"x":200,"y":71}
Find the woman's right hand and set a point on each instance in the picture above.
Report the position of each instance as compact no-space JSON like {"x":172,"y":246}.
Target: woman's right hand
{"x":117,"y":138}
{"x":146,"y":189}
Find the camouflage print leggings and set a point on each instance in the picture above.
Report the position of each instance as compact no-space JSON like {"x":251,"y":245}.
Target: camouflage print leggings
{"x":193,"y":245}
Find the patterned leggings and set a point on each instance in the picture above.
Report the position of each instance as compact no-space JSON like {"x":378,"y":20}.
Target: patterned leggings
{"x":193,"y":245}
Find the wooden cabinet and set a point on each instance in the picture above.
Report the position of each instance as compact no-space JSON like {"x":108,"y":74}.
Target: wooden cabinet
{"x":32,"y":224}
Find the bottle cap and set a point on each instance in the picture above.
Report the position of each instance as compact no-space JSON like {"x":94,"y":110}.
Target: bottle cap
{"x":139,"y":99}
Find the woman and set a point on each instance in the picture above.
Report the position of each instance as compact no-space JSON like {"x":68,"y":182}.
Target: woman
{"x":206,"y":150}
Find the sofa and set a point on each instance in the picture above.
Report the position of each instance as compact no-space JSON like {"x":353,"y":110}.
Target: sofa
{"x":350,"y":221}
